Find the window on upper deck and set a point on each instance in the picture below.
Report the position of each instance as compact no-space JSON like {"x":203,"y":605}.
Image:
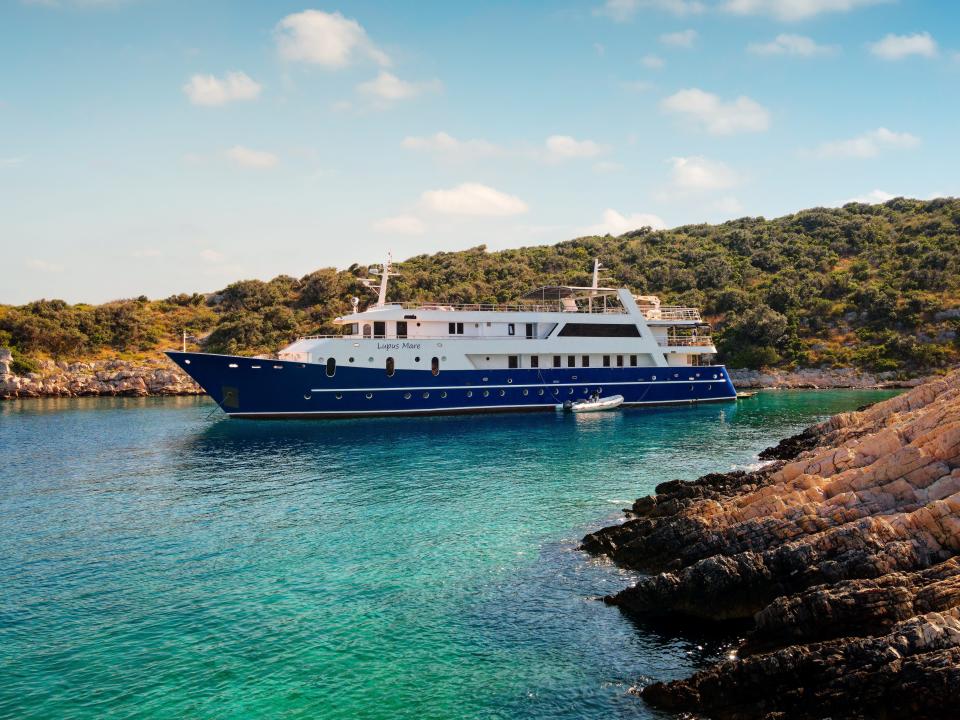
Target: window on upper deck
{"x":633,"y":361}
{"x":599,"y":330}
{"x":367,"y":330}
{"x":571,"y":360}
{"x":534,"y":361}
{"x":619,"y":360}
{"x":379,"y":329}
{"x":606,"y":361}
{"x":401,"y":328}
{"x":511,"y":329}
{"x":513,"y":361}
{"x":585,"y":361}
{"x":556,"y":361}
{"x":531,"y":330}
{"x":455,"y":328}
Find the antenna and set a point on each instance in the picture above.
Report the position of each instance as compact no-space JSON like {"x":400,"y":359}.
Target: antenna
{"x":385,"y":272}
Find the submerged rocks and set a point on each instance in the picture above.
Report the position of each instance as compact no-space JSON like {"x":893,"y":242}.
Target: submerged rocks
{"x":844,"y":554}
{"x":106,"y":377}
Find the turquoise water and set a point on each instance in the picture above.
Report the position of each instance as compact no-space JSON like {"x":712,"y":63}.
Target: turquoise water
{"x":159,"y":561}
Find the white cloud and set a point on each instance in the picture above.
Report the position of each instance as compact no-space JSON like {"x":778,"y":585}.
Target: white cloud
{"x":794,"y":9}
{"x":388,"y":87}
{"x":564,"y":147}
{"x":327,"y":39}
{"x":11,"y":161}
{"x":897,"y":47}
{"x":44,"y":265}
{"x":699,"y":173}
{"x":246,"y":157}
{"x":400,"y":225}
{"x":652,"y":61}
{"x":211,"y":256}
{"x":444,"y":144}
{"x":638,"y":86}
{"x":728,"y":205}
{"x":873,"y":197}
{"x":607,"y":166}
{"x":210,"y":90}
{"x":684,"y":38}
{"x":716,"y":116}
{"x":868,"y":145}
{"x":614,"y":223}
{"x":473,"y":199}
{"x":787,"y":44}
{"x":623,"y":10}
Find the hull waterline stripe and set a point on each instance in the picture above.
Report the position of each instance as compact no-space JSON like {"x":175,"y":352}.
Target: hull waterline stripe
{"x":512,"y":385}
{"x":468,"y":408}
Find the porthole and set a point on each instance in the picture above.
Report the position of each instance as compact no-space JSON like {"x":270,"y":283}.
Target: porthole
{"x":443,"y":358}
{"x":556,"y":391}
{"x":698,"y":374}
{"x":426,"y":395}
{"x":599,"y":390}
{"x":351,"y":359}
{"x":526,"y":392}
{"x":586,"y":390}
{"x":486,"y":393}
{"x":488,"y":358}
{"x":653,"y":377}
{"x":540,"y":391}
{"x":187,"y":361}
{"x":369,"y":396}
{"x":691,"y":388}
{"x":676,"y":375}
{"x":369,"y":359}
{"x":502,"y":393}
{"x":307,"y":396}
{"x":710,"y":387}
{"x":469,"y":393}
{"x":443,"y":394}
{"x":416,"y":359}
{"x":407,"y":396}
{"x":339,"y":396}
{"x":509,"y":381}
{"x":714,"y":377}
{"x":571,"y":392}
{"x":233,"y":365}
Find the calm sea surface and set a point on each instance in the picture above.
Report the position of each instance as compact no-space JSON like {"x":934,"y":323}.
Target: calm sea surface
{"x":159,"y":561}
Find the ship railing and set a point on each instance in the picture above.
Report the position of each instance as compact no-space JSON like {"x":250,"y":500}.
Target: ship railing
{"x":550,"y":307}
{"x":668,"y":312}
{"x":686,"y":341}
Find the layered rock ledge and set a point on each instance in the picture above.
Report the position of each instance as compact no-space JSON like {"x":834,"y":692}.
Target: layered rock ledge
{"x":818,"y":379}
{"x":104,"y":377}
{"x":842,"y":555}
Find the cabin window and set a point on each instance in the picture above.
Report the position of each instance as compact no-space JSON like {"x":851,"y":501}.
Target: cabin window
{"x":599,"y":330}
{"x":585,"y":361}
{"x":534,"y":361}
{"x":606,"y":361}
{"x":619,"y":360}
{"x":354,"y":328}
{"x":571,"y":360}
{"x":367,"y":330}
{"x":556,"y":361}
{"x":455,"y":328}
{"x":379,"y":329}
{"x":511,"y":329}
{"x":390,"y":367}
{"x":531,"y":330}
{"x":513,"y":361}
{"x":435,"y":366}
{"x":331,"y":367}
{"x":401,"y":328}
{"x":633,"y":361}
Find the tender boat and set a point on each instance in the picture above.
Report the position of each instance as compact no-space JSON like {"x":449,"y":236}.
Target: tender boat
{"x":594,"y":403}
{"x":555,"y":344}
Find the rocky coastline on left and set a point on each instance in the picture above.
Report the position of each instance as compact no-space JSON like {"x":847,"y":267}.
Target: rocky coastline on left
{"x":106,"y":378}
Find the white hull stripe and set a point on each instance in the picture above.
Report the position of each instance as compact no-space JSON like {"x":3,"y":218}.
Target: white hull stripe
{"x":468,"y":407}
{"x":538,"y":385}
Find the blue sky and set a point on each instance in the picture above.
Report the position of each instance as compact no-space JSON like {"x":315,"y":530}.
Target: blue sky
{"x":151,"y":146}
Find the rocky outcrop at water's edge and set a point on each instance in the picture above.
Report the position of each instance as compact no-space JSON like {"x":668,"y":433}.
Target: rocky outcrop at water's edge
{"x":817,"y":378}
{"x":842,"y":554}
{"x":103,"y":377}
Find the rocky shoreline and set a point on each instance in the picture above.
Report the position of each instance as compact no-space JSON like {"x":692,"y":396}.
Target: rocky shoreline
{"x":96,"y":378}
{"x":817,"y":379}
{"x":842,"y":556}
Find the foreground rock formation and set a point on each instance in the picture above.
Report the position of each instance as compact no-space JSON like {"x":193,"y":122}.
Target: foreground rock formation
{"x":105,"y":377}
{"x":842,"y":555}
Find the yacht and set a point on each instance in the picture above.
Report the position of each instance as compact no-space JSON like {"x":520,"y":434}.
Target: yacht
{"x":555,"y":344}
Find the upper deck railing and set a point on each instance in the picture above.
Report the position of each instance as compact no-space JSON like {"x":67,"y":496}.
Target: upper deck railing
{"x":548,"y":306}
{"x":671,"y":312}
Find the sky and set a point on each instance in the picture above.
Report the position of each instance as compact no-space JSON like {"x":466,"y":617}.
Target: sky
{"x":163,"y":146}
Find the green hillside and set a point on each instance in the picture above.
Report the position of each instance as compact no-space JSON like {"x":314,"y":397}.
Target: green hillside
{"x":871,"y":286}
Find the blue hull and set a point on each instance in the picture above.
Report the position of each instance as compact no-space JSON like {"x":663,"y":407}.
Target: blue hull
{"x":252,"y":388}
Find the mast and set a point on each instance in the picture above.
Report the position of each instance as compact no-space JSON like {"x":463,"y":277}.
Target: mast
{"x":596,"y":282}
{"x":385,"y":272}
